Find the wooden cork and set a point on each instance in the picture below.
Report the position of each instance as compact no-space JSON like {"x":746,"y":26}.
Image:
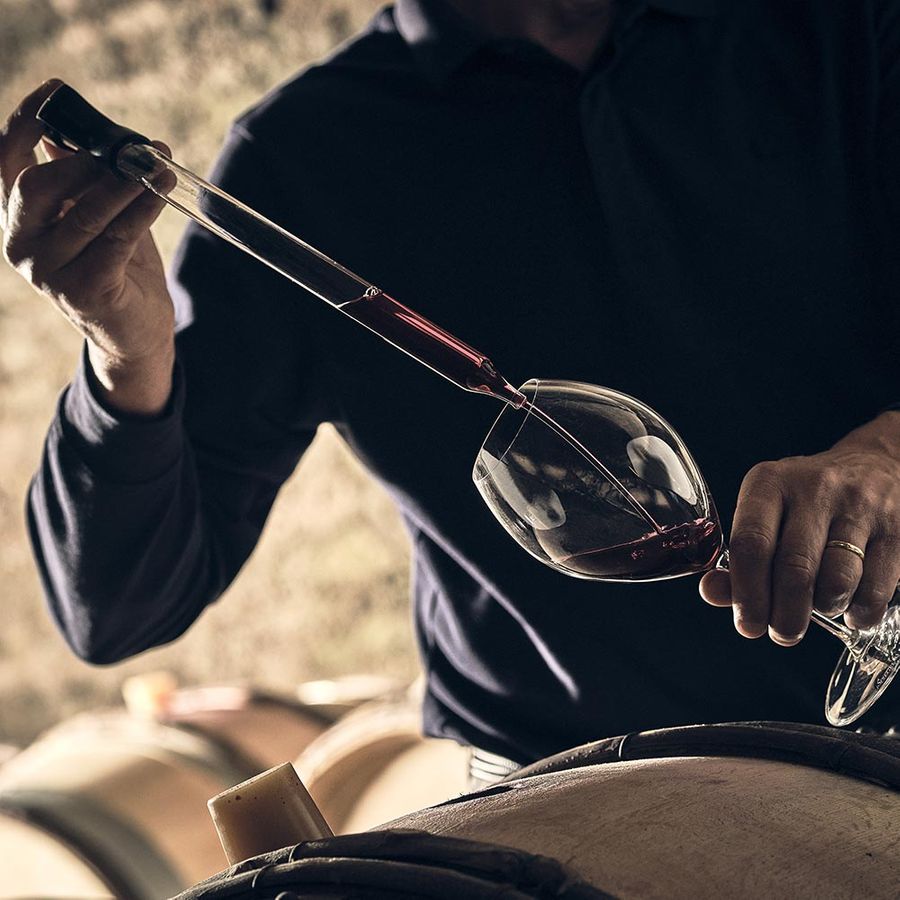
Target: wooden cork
{"x":266,"y":812}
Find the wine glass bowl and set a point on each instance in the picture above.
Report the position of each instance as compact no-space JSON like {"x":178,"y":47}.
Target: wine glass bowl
{"x":598,"y":485}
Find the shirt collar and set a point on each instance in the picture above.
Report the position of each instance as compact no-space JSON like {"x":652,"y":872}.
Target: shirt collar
{"x":441,"y":40}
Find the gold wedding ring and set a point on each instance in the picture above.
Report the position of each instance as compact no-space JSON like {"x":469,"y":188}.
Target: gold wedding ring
{"x":846,"y":545}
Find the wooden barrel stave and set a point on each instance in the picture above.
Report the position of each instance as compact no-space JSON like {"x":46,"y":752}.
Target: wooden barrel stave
{"x":375,"y":765}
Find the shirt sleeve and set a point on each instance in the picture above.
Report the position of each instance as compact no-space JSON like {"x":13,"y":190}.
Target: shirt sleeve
{"x":138,"y":524}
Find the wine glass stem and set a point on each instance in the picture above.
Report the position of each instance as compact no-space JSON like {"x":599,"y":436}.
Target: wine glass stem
{"x":840,"y":631}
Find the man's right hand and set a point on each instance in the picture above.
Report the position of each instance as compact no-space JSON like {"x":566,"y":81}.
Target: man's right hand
{"x":80,"y":235}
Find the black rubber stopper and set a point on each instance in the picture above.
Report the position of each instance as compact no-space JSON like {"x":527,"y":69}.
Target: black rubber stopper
{"x":71,"y":122}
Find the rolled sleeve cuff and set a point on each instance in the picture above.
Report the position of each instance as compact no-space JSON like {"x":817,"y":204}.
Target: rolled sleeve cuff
{"x":116,"y":446}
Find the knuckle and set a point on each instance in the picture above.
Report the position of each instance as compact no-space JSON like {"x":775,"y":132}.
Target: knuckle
{"x":833,"y":604}
{"x":861,"y":504}
{"x":871,"y":600}
{"x":117,"y":236}
{"x":858,"y":496}
{"x":38,"y":275}
{"x":10,"y":251}
{"x":750,"y":543}
{"x":833,"y":593}
{"x":29,"y":183}
{"x":889,"y":525}
{"x":829,"y":478}
{"x":821,"y":486}
{"x":84,"y":221}
{"x":766,"y":472}
{"x":25,"y":263}
{"x":846,"y":523}
{"x":840,"y":574}
{"x":7,"y":126}
{"x":14,"y":250}
{"x":796,"y":569}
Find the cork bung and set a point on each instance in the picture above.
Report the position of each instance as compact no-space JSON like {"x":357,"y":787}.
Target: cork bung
{"x":266,"y":812}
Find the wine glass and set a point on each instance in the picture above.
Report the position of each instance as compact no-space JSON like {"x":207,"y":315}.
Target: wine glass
{"x":598,"y":485}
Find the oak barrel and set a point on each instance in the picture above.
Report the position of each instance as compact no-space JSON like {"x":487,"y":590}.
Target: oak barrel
{"x":742,"y":810}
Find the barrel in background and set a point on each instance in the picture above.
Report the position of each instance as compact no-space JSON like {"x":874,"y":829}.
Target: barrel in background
{"x":375,"y":765}
{"x":115,"y":803}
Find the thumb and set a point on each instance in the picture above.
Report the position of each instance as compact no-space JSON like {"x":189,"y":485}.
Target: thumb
{"x":715,"y":588}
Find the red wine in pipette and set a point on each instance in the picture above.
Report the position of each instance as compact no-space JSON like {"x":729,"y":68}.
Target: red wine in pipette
{"x":431,"y":345}
{"x":673,"y":550}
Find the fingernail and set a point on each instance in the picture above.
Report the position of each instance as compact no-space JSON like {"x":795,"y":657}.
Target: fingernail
{"x":785,"y":640}
{"x":746,"y":627}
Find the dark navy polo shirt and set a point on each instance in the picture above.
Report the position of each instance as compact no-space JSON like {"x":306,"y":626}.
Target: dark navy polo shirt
{"x":705,"y":219}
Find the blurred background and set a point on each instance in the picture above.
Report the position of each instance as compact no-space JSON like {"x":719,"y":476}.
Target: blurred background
{"x":325,"y":594}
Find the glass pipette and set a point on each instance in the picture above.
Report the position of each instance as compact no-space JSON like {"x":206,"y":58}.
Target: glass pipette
{"x":72,"y":122}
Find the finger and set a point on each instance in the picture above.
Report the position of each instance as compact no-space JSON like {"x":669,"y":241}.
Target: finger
{"x":104,"y":201}
{"x":19,"y":135}
{"x":166,"y":149}
{"x":115,"y":245}
{"x":877,"y":585}
{"x":97,"y":208}
{"x":715,"y":588}
{"x":42,"y":198}
{"x":840,"y":570}
{"x":754,"y":536}
{"x":42,"y":192}
{"x":54,"y":151}
{"x":804,"y":530}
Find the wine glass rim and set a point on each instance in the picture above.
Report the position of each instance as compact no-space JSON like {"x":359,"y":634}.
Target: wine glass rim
{"x":505,"y":412}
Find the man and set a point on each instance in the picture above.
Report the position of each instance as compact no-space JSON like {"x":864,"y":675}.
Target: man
{"x":693,"y":202}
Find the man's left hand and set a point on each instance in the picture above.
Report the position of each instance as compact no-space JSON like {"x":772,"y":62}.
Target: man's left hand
{"x":787,"y":513}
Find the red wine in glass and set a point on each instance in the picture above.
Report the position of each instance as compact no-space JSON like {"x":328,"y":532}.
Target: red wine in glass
{"x":674,"y":550}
